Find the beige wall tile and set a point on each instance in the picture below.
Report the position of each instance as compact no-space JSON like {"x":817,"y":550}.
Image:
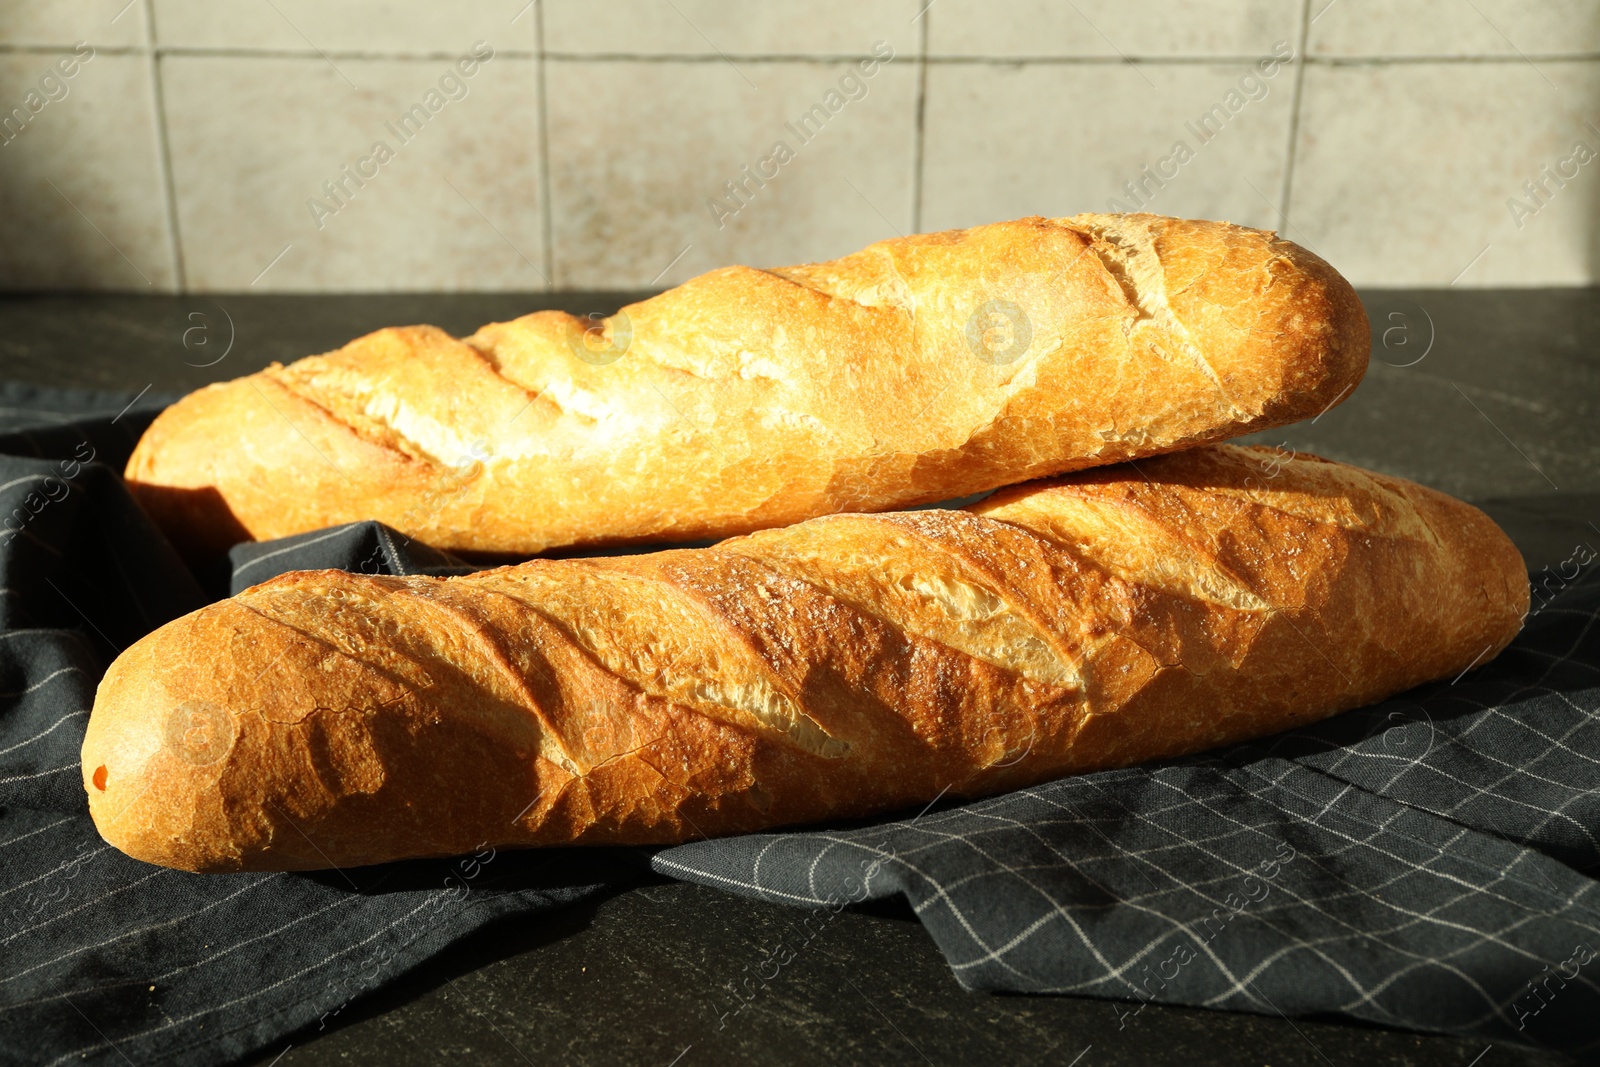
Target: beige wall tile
{"x":1047,"y":139}
{"x":82,"y":204}
{"x":1403,"y":172}
{"x":714,"y":27}
{"x":1006,"y":28}
{"x":103,"y":23}
{"x":637,"y":150}
{"x":347,"y":26}
{"x":1454,"y":27}
{"x":252,"y":142}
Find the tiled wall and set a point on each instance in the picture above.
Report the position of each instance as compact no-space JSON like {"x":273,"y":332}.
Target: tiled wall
{"x":189,"y":147}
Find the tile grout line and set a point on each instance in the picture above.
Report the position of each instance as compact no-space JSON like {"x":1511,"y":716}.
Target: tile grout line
{"x":546,"y":210}
{"x":164,"y":152}
{"x":206,"y":51}
{"x":919,"y":131}
{"x":1296,"y":103}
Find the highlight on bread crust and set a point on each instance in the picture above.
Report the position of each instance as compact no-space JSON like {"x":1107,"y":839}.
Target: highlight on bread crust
{"x":919,"y":369}
{"x":848,"y":665}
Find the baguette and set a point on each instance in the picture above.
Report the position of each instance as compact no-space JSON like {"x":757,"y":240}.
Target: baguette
{"x":920,"y":369}
{"x":848,"y":665}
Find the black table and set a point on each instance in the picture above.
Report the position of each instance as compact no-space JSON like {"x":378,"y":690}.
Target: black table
{"x":1491,"y":395}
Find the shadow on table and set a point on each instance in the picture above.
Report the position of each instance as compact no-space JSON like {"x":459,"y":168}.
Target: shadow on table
{"x":510,"y":871}
{"x":1547,"y":527}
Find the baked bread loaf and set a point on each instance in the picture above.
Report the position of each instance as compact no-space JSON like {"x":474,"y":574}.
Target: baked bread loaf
{"x":920,"y":369}
{"x":844,"y":666}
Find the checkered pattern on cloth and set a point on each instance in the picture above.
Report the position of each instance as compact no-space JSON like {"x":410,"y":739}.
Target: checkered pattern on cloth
{"x":1415,"y":863}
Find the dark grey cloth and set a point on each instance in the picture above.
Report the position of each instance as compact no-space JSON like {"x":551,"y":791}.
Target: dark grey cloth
{"x":1417,"y":864}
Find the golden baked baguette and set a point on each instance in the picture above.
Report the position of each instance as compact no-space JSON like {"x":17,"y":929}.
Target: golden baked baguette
{"x":844,"y":666}
{"x":919,"y":369}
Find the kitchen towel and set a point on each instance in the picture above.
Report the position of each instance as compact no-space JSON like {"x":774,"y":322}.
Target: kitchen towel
{"x":1417,"y":864}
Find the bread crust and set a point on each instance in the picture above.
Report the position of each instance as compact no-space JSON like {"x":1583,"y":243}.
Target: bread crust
{"x":918,"y":369}
{"x":844,"y":666}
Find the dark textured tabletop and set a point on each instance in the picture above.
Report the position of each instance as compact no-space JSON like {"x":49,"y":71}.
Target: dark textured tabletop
{"x":1493,"y":396}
